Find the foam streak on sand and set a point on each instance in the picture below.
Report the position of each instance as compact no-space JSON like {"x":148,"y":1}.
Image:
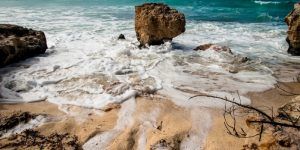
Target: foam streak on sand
{"x":125,"y":120}
{"x":147,"y":121}
{"x":199,"y":130}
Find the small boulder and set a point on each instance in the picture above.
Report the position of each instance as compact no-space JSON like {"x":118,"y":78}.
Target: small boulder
{"x":156,"y":23}
{"x":293,"y":38}
{"x":121,"y":37}
{"x":214,"y":47}
{"x":18,"y":43}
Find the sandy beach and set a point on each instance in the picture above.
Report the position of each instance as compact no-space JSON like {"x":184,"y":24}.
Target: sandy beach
{"x":156,"y":122}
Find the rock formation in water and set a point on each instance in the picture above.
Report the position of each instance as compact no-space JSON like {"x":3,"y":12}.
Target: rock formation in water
{"x":293,"y":22}
{"x":18,"y":43}
{"x":156,"y":23}
{"x":214,"y":47}
{"x":121,"y":37}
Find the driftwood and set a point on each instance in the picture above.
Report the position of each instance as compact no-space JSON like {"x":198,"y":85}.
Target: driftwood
{"x":265,"y":118}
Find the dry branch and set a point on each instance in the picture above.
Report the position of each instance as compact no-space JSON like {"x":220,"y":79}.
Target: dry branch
{"x":266,"y":119}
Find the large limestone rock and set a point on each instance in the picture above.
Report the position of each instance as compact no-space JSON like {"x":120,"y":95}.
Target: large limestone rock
{"x":18,"y":43}
{"x":156,"y":23}
{"x":293,"y":39}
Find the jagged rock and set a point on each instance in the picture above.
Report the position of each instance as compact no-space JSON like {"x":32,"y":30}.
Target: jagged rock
{"x":168,"y":144}
{"x":214,"y":47}
{"x":203,"y":47}
{"x":156,"y":23}
{"x":17,"y":43}
{"x":31,"y":139}
{"x":293,"y":38}
{"x":121,"y":37}
{"x":8,"y":122}
{"x":290,"y":111}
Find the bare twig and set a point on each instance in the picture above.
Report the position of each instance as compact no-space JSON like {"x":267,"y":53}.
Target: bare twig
{"x":267,"y":119}
{"x":261,"y":131}
{"x":238,"y":104}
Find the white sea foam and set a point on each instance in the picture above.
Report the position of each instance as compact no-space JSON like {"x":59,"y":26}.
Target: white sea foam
{"x":266,"y":2}
{"x":85,"y":50}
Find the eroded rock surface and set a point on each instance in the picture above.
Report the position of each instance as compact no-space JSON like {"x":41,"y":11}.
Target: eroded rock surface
{"x":18,"y":43}
{"x":291,"y":110}
{"x":293,"y":22}
{"x":8,"y":122}
{"x":31,"y":139}
{"x":214,"y":47}
{"x":156,"y":23}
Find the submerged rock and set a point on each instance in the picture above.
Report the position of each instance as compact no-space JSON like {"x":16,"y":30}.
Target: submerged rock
{"x":214,"y":47}
{"x":17,"y":43}
{"x":19,"y":85}
{"x":121,"y":37}
{"x":293,"y":38}
{"x":156,"y":23}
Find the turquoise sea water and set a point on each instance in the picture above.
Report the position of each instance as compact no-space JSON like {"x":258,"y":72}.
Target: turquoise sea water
{"x":208,"y":10}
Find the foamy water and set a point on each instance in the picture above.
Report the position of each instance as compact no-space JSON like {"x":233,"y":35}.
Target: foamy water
{"x":87,"y":66}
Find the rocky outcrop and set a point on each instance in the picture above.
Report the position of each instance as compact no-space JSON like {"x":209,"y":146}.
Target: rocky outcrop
{"x":17,"y":43}
{"x":293,"y":22}
{"x":121,"y":37}
{"x":32,"y":139}
{"x":156,"y":23}
{"x":214,"y":47}
{"x":290,"y":110}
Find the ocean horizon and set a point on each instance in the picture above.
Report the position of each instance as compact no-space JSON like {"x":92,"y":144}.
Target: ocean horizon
{"x":199,"y":10}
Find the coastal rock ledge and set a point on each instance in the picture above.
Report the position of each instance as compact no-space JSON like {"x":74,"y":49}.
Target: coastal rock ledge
{"x":156,"y":23}
{"x":293,"y":22}
{"x":18,"y":43}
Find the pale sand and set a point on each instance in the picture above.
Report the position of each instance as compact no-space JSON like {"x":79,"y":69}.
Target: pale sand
{"x":172,"y":122}
{"x":156,"y":120}
{"x":63,"y":123}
